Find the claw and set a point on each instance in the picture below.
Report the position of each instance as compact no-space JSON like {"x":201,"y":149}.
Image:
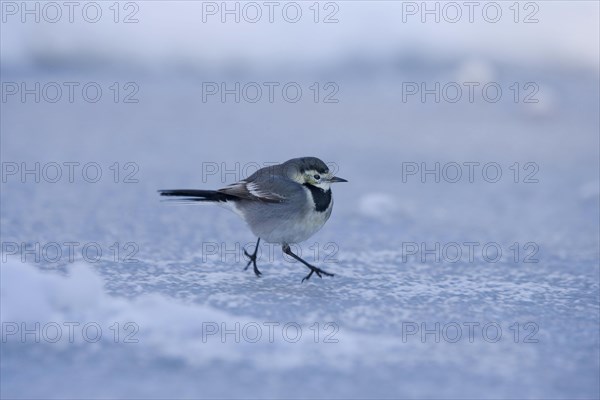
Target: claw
{"x":307,"y":277}
{"x":253,"y":262}
{"x":249,"y":262}
{"x":318,"y":271}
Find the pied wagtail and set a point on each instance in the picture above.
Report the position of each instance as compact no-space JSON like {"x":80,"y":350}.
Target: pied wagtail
{"x":285,"y":203}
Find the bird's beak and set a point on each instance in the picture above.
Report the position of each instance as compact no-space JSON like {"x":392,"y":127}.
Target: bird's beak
{"x":335,"y":179}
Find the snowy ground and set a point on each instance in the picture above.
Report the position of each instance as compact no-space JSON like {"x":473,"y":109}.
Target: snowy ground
{"x":178,"y":316}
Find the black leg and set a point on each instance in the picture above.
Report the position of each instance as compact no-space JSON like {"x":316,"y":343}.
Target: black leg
{"x":253,"y":259}
{"x":313,"y":269}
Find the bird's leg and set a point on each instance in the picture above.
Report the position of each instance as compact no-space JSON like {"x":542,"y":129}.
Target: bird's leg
{"x":313,"y":270}
{"x":253,"y":259}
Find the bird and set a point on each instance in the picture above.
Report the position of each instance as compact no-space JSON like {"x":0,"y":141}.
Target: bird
{"x":282,"y":204}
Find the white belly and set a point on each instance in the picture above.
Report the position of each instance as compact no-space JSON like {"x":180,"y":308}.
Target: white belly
{"x":299,"y":229}
{"x":290,"y":223}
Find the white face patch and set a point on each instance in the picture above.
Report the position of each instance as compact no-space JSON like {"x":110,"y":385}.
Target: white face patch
{"x":318,"y":179}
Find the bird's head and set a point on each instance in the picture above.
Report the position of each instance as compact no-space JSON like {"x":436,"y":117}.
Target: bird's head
{"x":311,"y":171}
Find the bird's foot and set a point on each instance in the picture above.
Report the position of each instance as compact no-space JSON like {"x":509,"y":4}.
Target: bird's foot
{"x":252,"y":261}
{"x":318,"y":271}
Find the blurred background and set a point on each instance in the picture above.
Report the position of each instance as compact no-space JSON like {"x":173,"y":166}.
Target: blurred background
{"x":103,"y":103}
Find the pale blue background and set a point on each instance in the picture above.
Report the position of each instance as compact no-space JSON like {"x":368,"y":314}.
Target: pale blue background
{"x":172,"y":290}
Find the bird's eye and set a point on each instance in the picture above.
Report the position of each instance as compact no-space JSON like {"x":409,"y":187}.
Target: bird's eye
{"x":317,"y":177}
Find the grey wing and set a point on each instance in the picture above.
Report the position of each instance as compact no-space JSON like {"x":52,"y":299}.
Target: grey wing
{"x":266,"y":188}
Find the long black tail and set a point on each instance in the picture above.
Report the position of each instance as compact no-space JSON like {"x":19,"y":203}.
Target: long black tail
{"x":192,"y":195}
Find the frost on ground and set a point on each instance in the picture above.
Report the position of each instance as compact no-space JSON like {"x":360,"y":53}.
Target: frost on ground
{"x":193,"y":323}
{"x":376,"y":329}
{"x":185,"y":320}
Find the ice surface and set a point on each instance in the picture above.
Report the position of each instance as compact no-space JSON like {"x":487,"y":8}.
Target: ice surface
{"x":178,"y":288}
{"x":187,"y":285}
